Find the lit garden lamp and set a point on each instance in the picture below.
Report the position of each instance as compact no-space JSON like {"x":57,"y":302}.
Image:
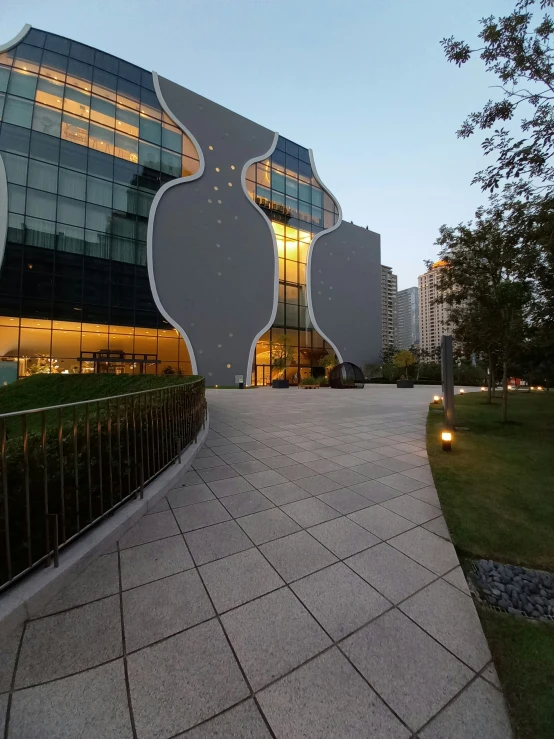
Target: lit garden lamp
{"x":462,"y":391}
{"x":483,"y":389}
{"x":436,"y":399}
{"x":446,"y":438}
{"x":540,"y":387}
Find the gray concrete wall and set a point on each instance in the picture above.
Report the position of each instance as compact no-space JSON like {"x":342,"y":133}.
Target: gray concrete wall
{"x":345,"y":275}
{"x":212,"y":253}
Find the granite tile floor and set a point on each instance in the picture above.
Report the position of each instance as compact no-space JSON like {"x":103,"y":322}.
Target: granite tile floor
{"x":300,"y":582}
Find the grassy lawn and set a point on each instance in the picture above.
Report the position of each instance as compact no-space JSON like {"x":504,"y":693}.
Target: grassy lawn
{"x":42,"y":390}
{"x":497,"y":494}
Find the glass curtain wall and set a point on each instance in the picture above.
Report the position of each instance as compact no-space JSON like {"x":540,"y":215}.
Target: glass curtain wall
{"x":285,"y":187}
{"x":86,"y":146}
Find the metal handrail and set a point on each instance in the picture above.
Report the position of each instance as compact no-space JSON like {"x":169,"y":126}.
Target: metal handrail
{"x":66,"y":467}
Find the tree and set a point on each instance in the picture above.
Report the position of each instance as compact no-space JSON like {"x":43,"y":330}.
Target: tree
{"x":404,"y":359}
{"x":328,"y":361}
{"x":371,"y":370}
{"x":282,"y":353}
{"x":518,"y":49}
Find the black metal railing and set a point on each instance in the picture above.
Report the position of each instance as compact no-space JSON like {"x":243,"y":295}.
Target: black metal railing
{"x":65,"y":467}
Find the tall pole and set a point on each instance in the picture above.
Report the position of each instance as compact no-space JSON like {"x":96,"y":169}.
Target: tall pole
{"x":447,"y":367}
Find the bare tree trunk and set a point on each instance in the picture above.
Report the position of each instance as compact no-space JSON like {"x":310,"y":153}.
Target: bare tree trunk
{"x":505,"y":392}
{"x":489,"y":389}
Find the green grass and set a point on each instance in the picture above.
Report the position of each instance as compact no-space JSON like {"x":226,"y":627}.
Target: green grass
{"x":497,"y":494}
{"x":39,"y":391}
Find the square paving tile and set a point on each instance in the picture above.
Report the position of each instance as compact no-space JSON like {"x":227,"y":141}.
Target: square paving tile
{"x":239,"y":578}
{"x":224,"y":449}
{"x":398,"y":481}
{"x":367,"y":454}
{"x":237,"y":456}
{"x":310,"y":511}
{"x":414,"y":510}
{"x":347,"y":460}
{"x":375,"y":491}
{"x":205,"y":463}
{"x":275,"y":463}
{"x":249,"y":446}
{"x":231,"y":486}
{"x":297,"y":555}
{"x":217,"y":541}
{"x":390,"y":572}
{"x":182,"y":496}
{"x":323,"y":465}
{"x":427,"y":548}
{"x":164,"y":607}
{"x":99,"y":579}
{"x":152,"y":561}
{"x":450,"y":617}
{"x":347,"y":478}
{"x":286,"y":492}
{"x":339,"y":599}
{"x":201,"y":514}
{"x":9,"y":644}
{"x":265,"y":453}
{"x":245,"y":503}
{"x":380,"y":521}
{"x":457,"y":578}
{"x":161,"y":505}
{"x":266,"y":478}
{"x":297,"y":471}
{"x":414,"y":675}
{"x":272,"y":635}
{"x":388,"y":451}
{"x":345,"y":500}
{"x":92,"y":704}
{"x":479,"y":711}
{"x":423,"y":474}
{"x":218,"y":473}
{"x":56,"y":646}
{"x":241,"y":722}
{"x":268,"y":525}
{"x":150,"y":528}
{"x":394,"y":464}
{"x":414,"y":460}
{"x":326,"y":698}
{"x":318,"y":484}
{"x":438,"y":526}
{"x":183,"y":680}
{"x":305,"y":456}
{"x":343,"y":537}
{"x":427,"y":495}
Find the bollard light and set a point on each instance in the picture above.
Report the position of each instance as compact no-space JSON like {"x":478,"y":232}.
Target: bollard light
{"x":446,"y":438}
{"x":462,"y":391}
{"x":533,"y":388}
{"x":540,"y":387}
{"x":483,"y":389}
{"x":435,"y":399}
{"x":216,"y":386}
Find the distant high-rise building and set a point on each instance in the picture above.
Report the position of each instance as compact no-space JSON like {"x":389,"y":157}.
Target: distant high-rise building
{"x":407,"y":318}
{"x":433,"y":317}
{"x":388,"y":306}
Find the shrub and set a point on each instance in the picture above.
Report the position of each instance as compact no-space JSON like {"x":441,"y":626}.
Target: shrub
{"x":323,"y":382}
{"x":308,"y":381}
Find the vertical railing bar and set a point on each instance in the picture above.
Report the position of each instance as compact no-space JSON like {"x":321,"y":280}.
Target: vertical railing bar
{"x":5,"y":500}
{"x":157,"y":395}
{"x":45,"y":486}
{"x":146,"y":403}
{"x":141,"y":424}
{"x":99,"y":434}
{"x":126,"y":406}
{"x":89,"y":470}
{"x":62,"y":471}
{"x":119,"y":449}
{"x":110,"y":459}
{"x":135,"y":460}
{"x":76,"y":465}
{"x":26,"y":478}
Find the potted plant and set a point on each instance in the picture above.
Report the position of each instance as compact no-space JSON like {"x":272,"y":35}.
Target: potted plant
{"x":324,"y":382}
{"x":282,"y":354}
{"x":403,"y":360}
{"x":308,"y":383}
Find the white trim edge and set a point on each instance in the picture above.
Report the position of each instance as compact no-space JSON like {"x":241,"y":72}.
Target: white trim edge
{"x":276,"y":255}
{"x":151,"y":215}
{"x":3,"y":209}
{"x":309,"y":263}
{"x":16,"y":39}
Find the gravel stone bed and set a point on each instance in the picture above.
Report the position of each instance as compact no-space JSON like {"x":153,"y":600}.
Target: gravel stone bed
{"x":514,"y":589}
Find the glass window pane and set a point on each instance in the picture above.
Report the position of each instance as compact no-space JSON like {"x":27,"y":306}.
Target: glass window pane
{"x":304,"y":192}
{"x":41,"y":204}
{"x":150,"y":130}
{"x":53,"y":66}
{"x":291,"y":148}
{"x":37,"y":38}
{"x":76,"y":102}
{"x":4,"y":77}
{"x":281,"y":269}
{"x":292,"y":206}
{"x":16,"y":199}
{"x":99,"y":192}
{"x":71,"y":211}
{"x":171,"y":163}
{"x":124,"y":199}
{"x":16,"y":228}
{"x":57,"y":43}
{"x":277,"y":181}
{"x":317,"y":216}
{"x":23,"y":84}
{"x":50,"y":92}
{"x":328,"y":219}
{"x":292,"y":271}
{"x":100,"y":164}
{"x":280,"y":315}
{"x":18,"y":111}
{"x":75,"y":130}
{"x":126,"y":147}
{"x":97,"y":244}
{"x":44,"y":147}
{"x":278,"y":160}
{"x":47,"y":120}
{"x":149,"y":104}
{"x":102,"y":111}
{"x":101,"y":139}
{"x":304,"y":171}
{"x":281,"y":144}
{"x":128,"y":93}
{"x":292,"y":316}
{"x":189,"y":149}
{"x":291,"y":294}
{"x":79,"y":74}
{"x":43,"y":176}
{"x":127,"y":121}
{"x":123,"y":250}
{"x":291,"y":187}
{"x":14,"y":139}
{"x":149,"y":156}
{"x":107,"y":62}
{"x":83,"y":53}
{"x":190,"y":166}
{"x":104,"y":84}
{"x":70,"y":239}
{"x":171,"y":138}
{"x":98,"y":218}
{"x":144,"y":201}
{"x":122,"y":225}
{"x":301,"y":274}
{"x":72,"y":156}
{"x":27,"y":58}
{"x":16,"y":168}
{"x":39,"y":233}
{"x":72,"y":184}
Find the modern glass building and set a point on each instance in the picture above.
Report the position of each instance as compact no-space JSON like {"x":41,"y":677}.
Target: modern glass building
{"x":87,"y":141}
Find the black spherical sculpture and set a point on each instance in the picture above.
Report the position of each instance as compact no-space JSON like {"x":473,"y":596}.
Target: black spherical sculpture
{"x":346,"y":375}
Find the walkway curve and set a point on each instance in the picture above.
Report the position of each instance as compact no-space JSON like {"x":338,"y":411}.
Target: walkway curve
{"x":300,"y":583}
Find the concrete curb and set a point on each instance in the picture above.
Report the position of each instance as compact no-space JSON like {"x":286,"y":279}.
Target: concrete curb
{"x":29,"y":596}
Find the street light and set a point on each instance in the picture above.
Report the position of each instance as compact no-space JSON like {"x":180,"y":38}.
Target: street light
{"x":446,"y":438}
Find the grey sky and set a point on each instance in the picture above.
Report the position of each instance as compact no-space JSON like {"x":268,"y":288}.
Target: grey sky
{"x":364,"y":84}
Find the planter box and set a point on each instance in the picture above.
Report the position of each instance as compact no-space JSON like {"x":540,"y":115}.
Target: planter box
{"x":405,"y":383}
{"x":280,"y":383}
{"x":309,"y":387}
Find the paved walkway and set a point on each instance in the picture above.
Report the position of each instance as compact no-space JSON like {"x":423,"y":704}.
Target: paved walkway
{"x":301,"y":583}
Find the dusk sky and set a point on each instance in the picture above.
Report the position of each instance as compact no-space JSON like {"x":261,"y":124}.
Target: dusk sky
{"x":364,"y":84}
